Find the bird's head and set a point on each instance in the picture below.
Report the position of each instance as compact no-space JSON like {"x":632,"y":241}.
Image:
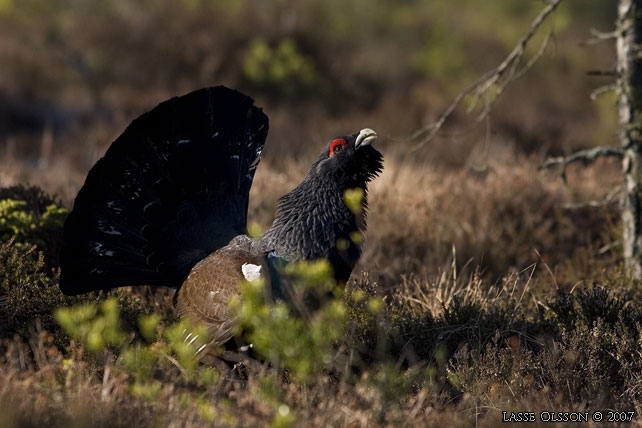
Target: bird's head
{"x":314,"y":220}
{"x":350,"y":160}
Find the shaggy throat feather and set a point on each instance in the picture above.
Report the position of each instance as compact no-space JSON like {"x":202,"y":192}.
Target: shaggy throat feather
{"x":309,"y":224}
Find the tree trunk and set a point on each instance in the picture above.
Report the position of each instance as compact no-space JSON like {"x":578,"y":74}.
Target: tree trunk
{"x":629,"y":72}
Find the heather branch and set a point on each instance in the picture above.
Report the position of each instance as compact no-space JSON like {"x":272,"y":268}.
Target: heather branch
{"x":498,"y":77}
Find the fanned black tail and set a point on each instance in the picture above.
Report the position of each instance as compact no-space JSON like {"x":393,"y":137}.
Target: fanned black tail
{"x":173,"y":188}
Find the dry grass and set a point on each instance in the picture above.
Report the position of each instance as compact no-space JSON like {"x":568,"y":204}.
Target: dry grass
{"x":502,"y":219}
{"x":438,"y":241}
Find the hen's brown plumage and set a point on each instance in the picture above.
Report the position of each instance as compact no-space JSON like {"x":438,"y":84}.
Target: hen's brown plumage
{"x":205,"y":295}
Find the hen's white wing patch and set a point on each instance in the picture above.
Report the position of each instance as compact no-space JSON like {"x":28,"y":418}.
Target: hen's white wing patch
{"x":250,"y":271}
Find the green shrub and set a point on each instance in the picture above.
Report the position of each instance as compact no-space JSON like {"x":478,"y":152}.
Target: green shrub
{"x":32,"y":217}
{"x":26,"y":290}
{"x":140,"y":351}
{"x":95,"y":328}
{"x":283,"y":68}
{"x":287,"y":336}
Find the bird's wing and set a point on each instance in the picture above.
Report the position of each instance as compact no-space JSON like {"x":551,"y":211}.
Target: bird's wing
{"x":204,"y":297}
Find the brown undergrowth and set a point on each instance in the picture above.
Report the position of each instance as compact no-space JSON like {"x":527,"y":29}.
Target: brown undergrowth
{"x":433,"y":329}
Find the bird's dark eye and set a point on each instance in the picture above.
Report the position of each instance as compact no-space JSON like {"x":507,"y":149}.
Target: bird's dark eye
{"x":337,"y":145}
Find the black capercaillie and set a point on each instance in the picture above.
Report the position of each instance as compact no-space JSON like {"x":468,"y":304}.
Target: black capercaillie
{"x":167,"y":206}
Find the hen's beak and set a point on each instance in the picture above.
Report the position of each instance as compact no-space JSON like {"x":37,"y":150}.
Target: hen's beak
{"x":365,"y":138}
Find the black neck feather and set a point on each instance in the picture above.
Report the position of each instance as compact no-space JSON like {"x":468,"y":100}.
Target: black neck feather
{"x":311,"y":219}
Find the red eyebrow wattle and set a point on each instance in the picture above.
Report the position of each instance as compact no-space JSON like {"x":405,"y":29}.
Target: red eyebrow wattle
{"x":335,"y":143}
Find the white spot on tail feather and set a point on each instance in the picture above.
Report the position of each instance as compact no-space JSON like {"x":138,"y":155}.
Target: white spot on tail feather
{"x":115,"y":206}
{"x":250,"y":271}
{"x":107,"y":228}
{"x":98,"y":249}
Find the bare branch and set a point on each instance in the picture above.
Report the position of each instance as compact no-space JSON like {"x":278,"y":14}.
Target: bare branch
{"x":584,"y":156}
{"x":537,"y":56}
{"x":588,"y":155}
{"x":610,"y":199}
{"x":607,"y":73}
{"x":608,"y":247}
{"x":600,"y":36}
{"x":500,"y":76}
{"x":602,"y":90}
{"x":588,"y":204}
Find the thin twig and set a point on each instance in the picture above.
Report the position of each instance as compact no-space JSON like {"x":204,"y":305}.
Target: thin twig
{"x":589,"y":204}
{"x":606,"y":73}
{"x":507,"y":70}
{"x":610,"y":199}
{"x":175,"y":362}
{"x":540,"y":52}
{"x":608,"y":247}
{"x":602,"y":90}
{"x":585,"y":156}
{"x":600,"y":36}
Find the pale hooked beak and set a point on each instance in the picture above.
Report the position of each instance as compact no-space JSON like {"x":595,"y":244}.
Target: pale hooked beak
{"x":365,"y":138}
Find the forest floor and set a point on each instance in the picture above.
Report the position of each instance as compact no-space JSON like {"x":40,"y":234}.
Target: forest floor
{"x":485,"y":285}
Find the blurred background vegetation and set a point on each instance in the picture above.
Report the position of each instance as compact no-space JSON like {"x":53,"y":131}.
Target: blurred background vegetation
{"x":69,"y":65}
{"x":76,"y":72}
